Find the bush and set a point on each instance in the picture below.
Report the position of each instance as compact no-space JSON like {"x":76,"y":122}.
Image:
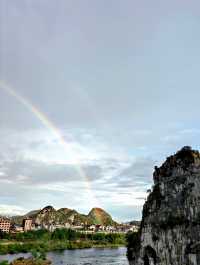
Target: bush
{"x":133,"y":243}
{"x":65,"y":234}
{"x":4,"y":262}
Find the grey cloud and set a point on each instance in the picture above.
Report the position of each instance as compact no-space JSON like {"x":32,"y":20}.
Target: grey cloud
{"x":35,"y":172}
{"x":136,"y":175}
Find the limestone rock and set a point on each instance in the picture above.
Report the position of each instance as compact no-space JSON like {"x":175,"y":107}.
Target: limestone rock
{"x":170,"y":227}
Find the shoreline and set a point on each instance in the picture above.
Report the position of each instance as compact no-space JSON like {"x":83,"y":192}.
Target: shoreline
{"x":29,"y":247}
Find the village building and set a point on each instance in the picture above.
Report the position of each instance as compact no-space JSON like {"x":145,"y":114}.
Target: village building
{"x":5,"y":225}
{"x":92,"y":228}
{"x":16,"y":229}
{"x":27,"y":224}
{"x":67,"y":225}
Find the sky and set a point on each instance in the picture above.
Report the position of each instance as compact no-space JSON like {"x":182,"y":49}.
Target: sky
{"x":93,"y":95}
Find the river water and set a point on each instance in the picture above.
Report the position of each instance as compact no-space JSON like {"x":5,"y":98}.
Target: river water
{"x":92,"y":256}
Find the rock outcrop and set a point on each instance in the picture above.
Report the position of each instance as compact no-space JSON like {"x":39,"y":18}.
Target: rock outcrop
{"x":170,"y":227}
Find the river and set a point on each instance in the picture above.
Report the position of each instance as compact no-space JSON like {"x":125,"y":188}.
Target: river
{"x":92,"y":256}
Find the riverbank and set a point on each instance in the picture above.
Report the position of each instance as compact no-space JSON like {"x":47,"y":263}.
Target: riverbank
{"x":28,"y":261}
{"x":41,"y":246}
{"x":60,"y":239}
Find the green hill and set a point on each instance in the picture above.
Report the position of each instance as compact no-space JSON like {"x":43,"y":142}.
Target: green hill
{"x":99,"y":216}
{"x":50,"y":216}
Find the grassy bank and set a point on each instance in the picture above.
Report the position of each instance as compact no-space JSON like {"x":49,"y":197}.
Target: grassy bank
{"x":30,"y":261}
{"x":60,"y":239}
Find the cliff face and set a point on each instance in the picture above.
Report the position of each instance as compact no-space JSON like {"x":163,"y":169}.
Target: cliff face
{"x":170,"y":227}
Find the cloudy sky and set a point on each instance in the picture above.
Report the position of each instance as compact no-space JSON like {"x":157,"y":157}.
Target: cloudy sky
{"x":93,"y":95}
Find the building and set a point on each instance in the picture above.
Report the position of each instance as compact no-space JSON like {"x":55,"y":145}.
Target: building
{"x":92,"y":228}
{"x":67,"y":225}
{"x":16,"y":229}
{"x":135,"y":228}
{"x":5,"y":225}
{"x":27,"y":224}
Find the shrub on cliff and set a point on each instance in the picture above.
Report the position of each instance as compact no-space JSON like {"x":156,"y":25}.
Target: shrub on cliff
{"x":133,"y":243}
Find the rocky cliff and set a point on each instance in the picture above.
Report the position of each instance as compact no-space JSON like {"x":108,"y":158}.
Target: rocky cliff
{"x":170,"y":227}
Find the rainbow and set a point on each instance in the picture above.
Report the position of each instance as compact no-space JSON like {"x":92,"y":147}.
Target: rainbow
{"x":50,"y":126}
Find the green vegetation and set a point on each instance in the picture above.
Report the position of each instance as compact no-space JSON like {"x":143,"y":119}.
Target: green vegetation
{"x":38,"y":258}
{"x":30,"y":262}
{"x":133,"y":243}
{"x":154,"y":197}
{"x":42,"y":241}
{"x":4,"y":262}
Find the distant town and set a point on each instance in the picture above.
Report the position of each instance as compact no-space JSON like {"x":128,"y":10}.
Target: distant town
{"x":36,"y":222}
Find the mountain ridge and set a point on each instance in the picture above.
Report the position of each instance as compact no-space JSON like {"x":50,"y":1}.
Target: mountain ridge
{"x":49,"y":215}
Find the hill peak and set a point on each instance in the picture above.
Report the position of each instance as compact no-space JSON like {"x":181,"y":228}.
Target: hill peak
{"x":184,"y":161}
{"x":97,"y":209}
{"x":100,"y":216}
{"x":49,"y":215}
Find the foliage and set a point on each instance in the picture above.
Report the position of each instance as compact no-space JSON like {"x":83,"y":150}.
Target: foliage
{"x":33,"y":235}
{"x":65,"y":234}
{"x":38,"y":255}
{"x":4,"y":262}
{"x":30,"y":261}
{"x":133,"y":243}
{"x":4,"y":235}
{"x":41,"y":241}
{"x":133,"y":239}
